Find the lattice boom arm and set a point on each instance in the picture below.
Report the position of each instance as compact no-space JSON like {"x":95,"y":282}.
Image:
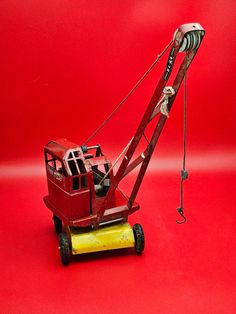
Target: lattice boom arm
{"x":187,"y":38}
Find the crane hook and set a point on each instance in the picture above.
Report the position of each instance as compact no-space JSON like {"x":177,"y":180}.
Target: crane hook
{"x":181,"y":212}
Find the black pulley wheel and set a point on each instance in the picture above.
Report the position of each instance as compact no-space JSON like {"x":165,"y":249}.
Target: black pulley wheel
{"x":139,"y":238}
{"x":64,"y":248}
{"x":57,"y":224}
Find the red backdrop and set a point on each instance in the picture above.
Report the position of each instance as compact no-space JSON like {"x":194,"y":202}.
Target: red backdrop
{"x":65,"y":65}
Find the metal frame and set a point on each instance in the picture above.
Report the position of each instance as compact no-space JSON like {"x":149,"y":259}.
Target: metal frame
{"x":152,"y":110}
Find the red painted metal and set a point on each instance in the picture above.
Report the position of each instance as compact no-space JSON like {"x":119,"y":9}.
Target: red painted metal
{"x":78,"y":205}
{"x":73,"y":172}
{"x":151,"y":111}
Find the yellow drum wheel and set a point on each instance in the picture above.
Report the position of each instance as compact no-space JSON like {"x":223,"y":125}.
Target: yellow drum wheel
{"x":111,"y":237}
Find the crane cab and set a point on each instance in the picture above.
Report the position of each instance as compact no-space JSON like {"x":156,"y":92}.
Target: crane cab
{"x":79,"y":179}
{"x":76,"y":183}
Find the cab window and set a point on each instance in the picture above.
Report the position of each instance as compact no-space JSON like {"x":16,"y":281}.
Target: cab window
{"x":54,"y":163}
{"x":77,"y":170}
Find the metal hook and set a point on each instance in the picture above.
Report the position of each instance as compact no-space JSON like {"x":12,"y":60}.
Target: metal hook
{"x":181,"y":212}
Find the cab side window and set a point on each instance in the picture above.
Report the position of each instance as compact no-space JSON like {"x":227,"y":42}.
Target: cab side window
{"x":50,"y":161}
{"x":54,"y":163}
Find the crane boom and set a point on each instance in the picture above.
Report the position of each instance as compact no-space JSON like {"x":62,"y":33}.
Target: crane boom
{"x":187,"y":38}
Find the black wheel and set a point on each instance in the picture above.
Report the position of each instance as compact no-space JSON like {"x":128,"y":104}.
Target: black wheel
{"x":64,"y":248}
{"x":57,"y":224}
{"x":139,"y":238}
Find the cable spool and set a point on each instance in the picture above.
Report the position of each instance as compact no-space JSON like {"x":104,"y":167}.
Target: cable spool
{"x":191,"y":41}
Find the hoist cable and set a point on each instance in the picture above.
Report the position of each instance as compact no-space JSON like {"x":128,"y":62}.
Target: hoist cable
{"x":129,"y":94}
{"x":184,"y":173}
{"x":185,"y":121}
{"x":116,"y":161}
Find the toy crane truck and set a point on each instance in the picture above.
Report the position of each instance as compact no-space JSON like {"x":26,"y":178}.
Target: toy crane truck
{"x":90,"y":212}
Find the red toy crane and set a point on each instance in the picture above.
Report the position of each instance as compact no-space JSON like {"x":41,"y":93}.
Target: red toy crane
{"x":90,"y":212}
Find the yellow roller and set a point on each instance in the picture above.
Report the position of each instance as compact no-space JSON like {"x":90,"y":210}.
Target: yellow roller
{"x":106,"y":238}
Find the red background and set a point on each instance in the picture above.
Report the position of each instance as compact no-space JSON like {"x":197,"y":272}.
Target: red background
{"x":65,"y":65}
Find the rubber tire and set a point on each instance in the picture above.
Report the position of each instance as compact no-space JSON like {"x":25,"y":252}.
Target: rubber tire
{"x":57,"y":224}
{"x":139,"y":238}
{"x":64,"y":248}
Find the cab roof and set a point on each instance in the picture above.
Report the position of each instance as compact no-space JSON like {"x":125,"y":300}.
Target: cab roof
{"x":59,"y":147}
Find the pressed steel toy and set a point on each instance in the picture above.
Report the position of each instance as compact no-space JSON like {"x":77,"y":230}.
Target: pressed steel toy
{"x":90,"y":212}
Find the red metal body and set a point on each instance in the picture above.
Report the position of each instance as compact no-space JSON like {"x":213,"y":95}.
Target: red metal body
{"x":74,"y":172}
{"x":72,"y":176}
